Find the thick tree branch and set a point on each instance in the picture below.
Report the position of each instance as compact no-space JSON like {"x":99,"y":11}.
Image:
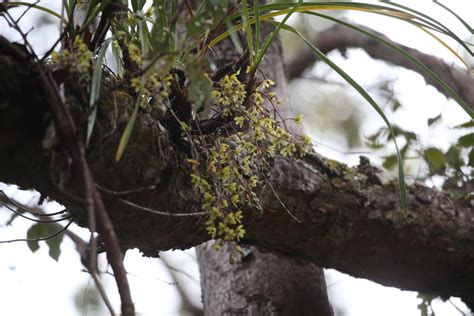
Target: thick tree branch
{"x":349,"y":219}
{"x":342,"y":38}
{"x":68,"y":133}
{"x":358,"y":226}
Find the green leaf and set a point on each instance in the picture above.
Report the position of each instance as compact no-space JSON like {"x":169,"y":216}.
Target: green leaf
{"x":407,"y":56}
{"x":452,"y":185}
{"x":54,"y":244}
{"x":407,"y":14}
{"x":31,"y":5}
{"x":127,"y":132}
{"x":435,"y":159}
{"x":118,"y":58}
{"x":34,"y":232}
{"x":92,"y":12}
{"x":234,"y":37}
{"x":95,"y":89}
{"x":38,"y":232}
{"x":375,"y":140}
{"x":390,"y":162}
{"x":435,"y":24}
{"x":257,"y":25}
{"x":398,"y":131}
{"x":145,"y":38}
{"x":271,"y":38}
{"x":453,"y":157}
{"x":248,"y":30}
{"x":466,"y":140}
{"x":70,"y":7}
{"x":466,"y":25}
{"x":467,"y":124}
{"x":137,"y":5}
{"x":433,"y":120}
{"x":395,"y":105}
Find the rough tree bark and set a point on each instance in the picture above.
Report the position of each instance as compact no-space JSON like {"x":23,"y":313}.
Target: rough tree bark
{"x":348,"y":218}
{"x":262,"y":283}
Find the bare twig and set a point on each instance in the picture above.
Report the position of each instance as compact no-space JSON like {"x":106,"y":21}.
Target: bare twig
{"x":4,"y":199}
{"x":146,"y":209}
{"x":125,"y":192}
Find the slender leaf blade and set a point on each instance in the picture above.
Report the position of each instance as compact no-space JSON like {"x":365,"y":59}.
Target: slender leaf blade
{"x":95,"y":89}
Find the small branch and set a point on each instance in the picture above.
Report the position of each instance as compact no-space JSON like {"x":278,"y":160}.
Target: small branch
{"x":146,"y":209}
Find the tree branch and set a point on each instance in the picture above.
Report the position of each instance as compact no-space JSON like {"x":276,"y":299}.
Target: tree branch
{"x":350,"y":220}
{"x":342,"y":38}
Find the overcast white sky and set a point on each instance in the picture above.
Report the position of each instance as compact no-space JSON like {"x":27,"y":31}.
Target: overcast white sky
{"x":34,"y":284}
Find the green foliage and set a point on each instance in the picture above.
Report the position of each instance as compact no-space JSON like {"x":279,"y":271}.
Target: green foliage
{"x":39,"y":231}
{"x":434,"y":157}
{"x":466,"y":141}
{"x":226,"y":171}
{"x":95,"y":89}
{"x":433,"y":120}
{"x":454,"y":165}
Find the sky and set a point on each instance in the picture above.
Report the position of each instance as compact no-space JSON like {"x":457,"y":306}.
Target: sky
{"x":33,"y":283}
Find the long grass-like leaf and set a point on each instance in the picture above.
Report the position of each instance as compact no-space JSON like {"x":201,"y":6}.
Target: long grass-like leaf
{"x":34,"y":6}
{"x":137,"y":5}
{"x":285,"y":8}
{"x":463,"y":22}
{"x":127,"y":132}
{"x":447,"y":31}
{"x":271,"y":38}
{"x":92,"y":13}
{"x":408,"y":56}
{"x":452,"y":51}
{"x":256,"y":12}
{"x":118,"y":58}
{"x":233,"y":36}
{"x":145,"y":38}
{"x":70,"y":6}
{"x":248,"y":31}
{"x":95,"y":89}
{"x":369,"y":99}
{"x":306,"y":8}
{"x":407,"y":14}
